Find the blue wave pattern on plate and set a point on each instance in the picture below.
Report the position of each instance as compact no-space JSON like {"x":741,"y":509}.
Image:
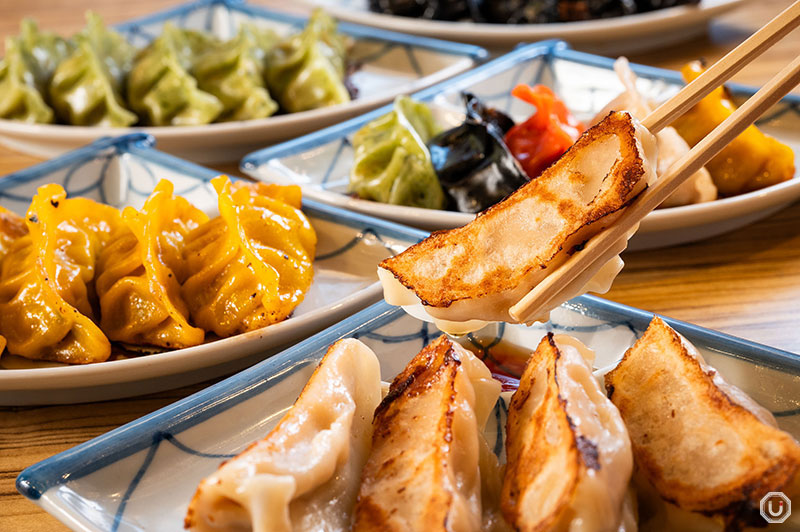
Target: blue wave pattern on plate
{"x":134,"y":481}
{"x":122,"y":172}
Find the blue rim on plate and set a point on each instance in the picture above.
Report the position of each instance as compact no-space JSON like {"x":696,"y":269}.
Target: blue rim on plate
{"x":143,"y":146}
{"x":122,"y":171}
{"x":148,"y":431}
{"x":549,"y":50}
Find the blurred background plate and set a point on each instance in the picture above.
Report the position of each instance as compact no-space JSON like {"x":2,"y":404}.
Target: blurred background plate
{"x":321,"y":162}
{"x":142,"y":475}
{"x":123,"y":171}
{"x":626,"y":34}
{"x":391,"y":64}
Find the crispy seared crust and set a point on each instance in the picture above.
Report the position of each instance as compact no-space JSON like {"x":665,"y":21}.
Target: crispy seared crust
{"x":699,"y":448}
{"x":545,"y":459}
{"x":560,"y":196}
{"x":404,"y":483}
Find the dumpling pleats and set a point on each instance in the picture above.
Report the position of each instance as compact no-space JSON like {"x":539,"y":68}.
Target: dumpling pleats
{"x":86,"y":87}
{"x":392,"y":163}
{"x":304,"y":474}
{"x":252,"y":265}
{"x":46,"y":288}
{"x":306,"y":71}
{"x":161,"y":89}
{"x":569,"y":457}
{"x":424,"y":469}
{"x":139,"y":274}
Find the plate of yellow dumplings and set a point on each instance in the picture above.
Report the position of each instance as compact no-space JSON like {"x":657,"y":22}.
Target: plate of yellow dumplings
{"x":125,"y":271}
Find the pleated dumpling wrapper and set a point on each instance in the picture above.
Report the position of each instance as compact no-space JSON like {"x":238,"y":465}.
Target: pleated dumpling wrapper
{"x":467,"y":276}
{"x":252,"y":265}
{"x":12,"y":227}
{"x":233,"y":72}
{"x":19,"y":97}
{"x":139,"y":274}
{"x":698,"y":441}
{"x":86,"y":89}
{"x":304,"y":474}
{"x":569,"y":457}
{"x":424,"y":469}
{"x":46,"y":287}
{"x":392,"y":163}
{"x":697,"y":189}
{"x":161,"y":89}
{"x":307,"y":70}
{"x":26,"y":71}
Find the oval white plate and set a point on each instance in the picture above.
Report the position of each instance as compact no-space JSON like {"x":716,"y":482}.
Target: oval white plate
{"x":141,"y":476}
{"x":628,"y":34}
{"x":320,"y":162}
{"x":122,"y":172}
{"x":390,"y":64}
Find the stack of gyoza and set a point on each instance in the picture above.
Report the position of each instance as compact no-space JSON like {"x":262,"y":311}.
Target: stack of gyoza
{"x":672,"y":446}
{"x":76,"y":275}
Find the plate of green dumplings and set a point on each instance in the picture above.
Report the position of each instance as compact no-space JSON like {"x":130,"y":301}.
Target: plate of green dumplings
{"x":211,"y":80}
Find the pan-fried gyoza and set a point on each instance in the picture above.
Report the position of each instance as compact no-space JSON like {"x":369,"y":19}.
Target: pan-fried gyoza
{"x":699,"y":442}
{"x":476,"y":273}
{"x":423,"y":472}
{"x":568,"y":454}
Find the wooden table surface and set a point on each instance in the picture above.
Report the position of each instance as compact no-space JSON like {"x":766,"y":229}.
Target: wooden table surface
{"x":746,"y":283}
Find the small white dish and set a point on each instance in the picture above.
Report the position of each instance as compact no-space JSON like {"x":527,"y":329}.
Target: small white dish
{"x":321,"y":162}
{"x":390,"y":64}
{"x":142,"y":475}
{"x":123,"y":171}
{"x":628,"y":34}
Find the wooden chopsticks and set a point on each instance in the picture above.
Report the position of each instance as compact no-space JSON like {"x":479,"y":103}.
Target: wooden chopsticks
{"x":775,"y":89}
{"x":722,"y":70}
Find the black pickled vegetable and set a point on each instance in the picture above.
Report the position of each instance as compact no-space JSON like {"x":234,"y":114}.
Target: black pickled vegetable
{"x":429,"y":9}
{"x":474,"y":166}
{"x":520,"y":11}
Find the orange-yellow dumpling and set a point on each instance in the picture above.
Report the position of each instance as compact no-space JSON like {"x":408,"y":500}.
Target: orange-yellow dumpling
{"x":251,"y":266}
{"x":46,"y":300}
{"x":140,"y":272}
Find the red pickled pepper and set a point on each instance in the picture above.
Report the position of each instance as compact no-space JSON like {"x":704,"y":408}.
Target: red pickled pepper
{"x":547,"y":134}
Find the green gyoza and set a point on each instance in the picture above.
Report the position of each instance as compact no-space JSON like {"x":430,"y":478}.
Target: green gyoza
{"x":307,"y":70}
{"x":233,"y":72}
{"x":86,"y":87}
{"x":392,"y":163}
{"x":161,"y":89}
{"x":31,"y":58}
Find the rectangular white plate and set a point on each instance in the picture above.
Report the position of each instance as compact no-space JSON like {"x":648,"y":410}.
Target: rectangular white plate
{"x":391,"y":64}
{"x":142,"y":475}
{"x":321,"y":162}
{"x":122,"y":172}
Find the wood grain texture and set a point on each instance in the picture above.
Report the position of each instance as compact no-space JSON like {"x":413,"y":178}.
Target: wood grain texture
{"x":745,"y":283}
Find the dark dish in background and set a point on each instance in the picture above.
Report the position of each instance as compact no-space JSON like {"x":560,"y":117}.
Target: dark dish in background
{"x":520,"y":11}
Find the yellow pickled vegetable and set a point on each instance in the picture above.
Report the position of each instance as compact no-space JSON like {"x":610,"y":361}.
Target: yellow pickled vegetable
{"x":751,"y":161}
